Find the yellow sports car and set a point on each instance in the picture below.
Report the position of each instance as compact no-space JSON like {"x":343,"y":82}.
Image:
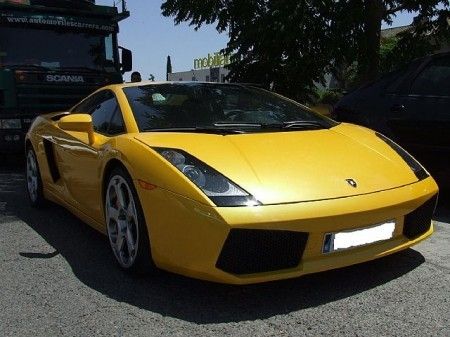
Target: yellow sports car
{"x":227,"y":182}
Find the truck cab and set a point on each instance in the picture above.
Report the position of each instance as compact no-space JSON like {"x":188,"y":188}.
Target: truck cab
{"x":52,"y":54}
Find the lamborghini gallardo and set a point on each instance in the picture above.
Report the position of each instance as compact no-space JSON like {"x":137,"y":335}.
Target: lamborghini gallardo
{"x":227,"y":182}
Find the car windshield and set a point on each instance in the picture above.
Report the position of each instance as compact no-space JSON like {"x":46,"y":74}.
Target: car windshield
{"x":209,"y":107}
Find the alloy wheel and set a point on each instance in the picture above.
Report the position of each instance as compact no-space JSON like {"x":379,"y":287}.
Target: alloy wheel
{"x":32,"y":176}
{"x":122,"y":221}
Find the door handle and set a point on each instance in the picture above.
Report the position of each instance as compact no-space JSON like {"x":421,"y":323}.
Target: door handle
{"x":397,"y":108}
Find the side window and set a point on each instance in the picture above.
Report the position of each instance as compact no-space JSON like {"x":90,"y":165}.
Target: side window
{"x":434,"y":79}
{"x":394,"y":81}
{"x":105,"y":112}
{"x":397,"y":81}
{"x":85,"y":105}
{"x":117,"y":125}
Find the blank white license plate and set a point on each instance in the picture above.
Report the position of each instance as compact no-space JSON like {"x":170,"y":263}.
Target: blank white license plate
{"x":360,"y":237}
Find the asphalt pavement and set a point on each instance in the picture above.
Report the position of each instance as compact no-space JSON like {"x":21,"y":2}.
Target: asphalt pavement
{"x":58,"y":278}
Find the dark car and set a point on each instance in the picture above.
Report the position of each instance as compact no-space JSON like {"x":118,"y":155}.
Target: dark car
{"x":410,"y":105}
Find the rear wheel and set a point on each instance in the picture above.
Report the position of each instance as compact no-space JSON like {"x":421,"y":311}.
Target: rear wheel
{"x":126,"y":227}
{"x":34,"y":181}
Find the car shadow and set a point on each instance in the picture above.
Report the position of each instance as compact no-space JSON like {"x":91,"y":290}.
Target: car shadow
{"x":88,"y":254}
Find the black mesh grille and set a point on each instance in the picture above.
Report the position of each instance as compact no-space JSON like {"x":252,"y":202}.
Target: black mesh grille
{"x":248,"y":251}
{"x":49,"y":98}
{"x":35,"y":94}
{"x":419,"y":221}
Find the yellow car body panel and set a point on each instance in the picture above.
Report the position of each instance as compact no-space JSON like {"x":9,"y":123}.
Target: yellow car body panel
{"x":200,"y":235}
{"x":283,"y":168}
{"x":298,"y":176}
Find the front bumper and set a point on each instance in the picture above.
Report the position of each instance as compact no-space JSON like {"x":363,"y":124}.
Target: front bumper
{"x":188,"y":237}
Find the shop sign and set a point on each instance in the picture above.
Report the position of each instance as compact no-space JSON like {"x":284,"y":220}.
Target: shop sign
{"x":17,"y":18}
{"x":212,"y":61}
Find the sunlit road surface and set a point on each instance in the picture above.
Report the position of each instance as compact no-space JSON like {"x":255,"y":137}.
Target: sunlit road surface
{"x":58,"y":278}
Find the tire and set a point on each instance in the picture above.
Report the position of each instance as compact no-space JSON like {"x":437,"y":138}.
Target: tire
{"x":125,"y":224}
{"x":34,"y":180}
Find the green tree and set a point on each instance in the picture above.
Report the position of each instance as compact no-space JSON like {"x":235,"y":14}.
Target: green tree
{"x":291,"y":44}
{"x":429,"y":28}
{"x":397,"y":51}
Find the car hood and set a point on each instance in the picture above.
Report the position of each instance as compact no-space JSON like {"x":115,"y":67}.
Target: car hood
{"x":296,"y":166}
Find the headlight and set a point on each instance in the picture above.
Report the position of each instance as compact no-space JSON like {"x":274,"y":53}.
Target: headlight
{"x":10,"y":124}
{"x":415,"y":166}
{"x":217,"y":187}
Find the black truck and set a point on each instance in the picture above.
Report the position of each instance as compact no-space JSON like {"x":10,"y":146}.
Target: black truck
{"x":53,"y":53}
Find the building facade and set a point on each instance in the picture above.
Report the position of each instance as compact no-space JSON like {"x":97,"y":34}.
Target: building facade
{"x":210,"y":68}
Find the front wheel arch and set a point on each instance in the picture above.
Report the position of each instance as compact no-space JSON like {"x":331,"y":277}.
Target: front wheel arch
{"x":109,"y":167}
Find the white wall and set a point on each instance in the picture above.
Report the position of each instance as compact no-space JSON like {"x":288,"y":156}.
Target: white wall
{"x":202,"y":75}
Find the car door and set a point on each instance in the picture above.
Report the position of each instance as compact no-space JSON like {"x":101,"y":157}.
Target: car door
{"x":83,"y":161}
{"x":431,"y":91}
{"x":420,"y":118}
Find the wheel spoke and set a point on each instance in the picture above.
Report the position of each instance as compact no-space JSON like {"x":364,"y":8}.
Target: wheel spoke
{"x":112,"y":196}
{"x":121,"y":196}
{"x":112,"y":214}
{"x":33,"y":166}
{"x":120,"y":241}
{"x":130,"y":242}
{"x":28,"y":167}
{"x":34,"y":184}
{"x":131,"y":211}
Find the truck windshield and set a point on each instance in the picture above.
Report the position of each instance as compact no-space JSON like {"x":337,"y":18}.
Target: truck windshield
{"x":55,"y":49}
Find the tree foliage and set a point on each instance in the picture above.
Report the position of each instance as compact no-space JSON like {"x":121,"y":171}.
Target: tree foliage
{"x":291,"y":44}
{"x":423,"y":38}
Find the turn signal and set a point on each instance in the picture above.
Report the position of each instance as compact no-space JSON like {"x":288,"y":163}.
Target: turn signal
{"x":145,"y":185}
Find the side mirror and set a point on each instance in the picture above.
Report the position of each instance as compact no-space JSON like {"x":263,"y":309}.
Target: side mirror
{"x":126,"y":60}
{"x":78,"y":123}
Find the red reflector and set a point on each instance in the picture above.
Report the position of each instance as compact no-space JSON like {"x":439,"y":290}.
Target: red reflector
{"x":145,"y":185}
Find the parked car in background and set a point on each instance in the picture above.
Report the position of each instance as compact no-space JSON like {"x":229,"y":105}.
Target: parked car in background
{"x":410,"y":105}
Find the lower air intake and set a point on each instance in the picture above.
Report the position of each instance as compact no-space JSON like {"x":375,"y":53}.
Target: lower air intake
{"x":419,"y":221}
{"x":248,"y":251}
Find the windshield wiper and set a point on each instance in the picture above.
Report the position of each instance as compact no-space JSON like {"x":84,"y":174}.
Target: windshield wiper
{"x":238,"y":125}
{"x":92,"y":70}
{"x":306,"y":125}
{"x":34,"y":66}
{"x":197,"y":129}
{"x":225,"y":128}
{"x":281,"y":126}
{"x":27,"y":66}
